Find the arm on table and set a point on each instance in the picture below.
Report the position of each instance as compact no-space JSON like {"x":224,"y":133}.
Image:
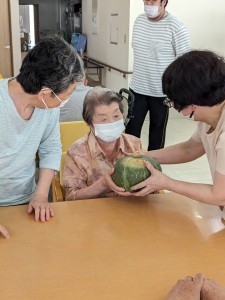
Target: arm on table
{"x":39,"y":203}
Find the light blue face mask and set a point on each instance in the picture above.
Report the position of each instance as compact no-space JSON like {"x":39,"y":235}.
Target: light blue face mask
{"x":109,"y":132}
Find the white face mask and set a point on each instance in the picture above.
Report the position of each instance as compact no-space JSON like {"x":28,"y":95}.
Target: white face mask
{"x":152,"y":11}
{"x":109,"y":132}
{"x":63,"y":102}
{"x":190,"y":117}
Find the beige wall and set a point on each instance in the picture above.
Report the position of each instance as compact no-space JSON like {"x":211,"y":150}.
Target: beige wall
{"x":99,"y":47}
{"x":16,"y":53}
{"x":205,"y":21}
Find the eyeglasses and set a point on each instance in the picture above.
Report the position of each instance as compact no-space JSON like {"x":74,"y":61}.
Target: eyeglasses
{"x":168,"y":102}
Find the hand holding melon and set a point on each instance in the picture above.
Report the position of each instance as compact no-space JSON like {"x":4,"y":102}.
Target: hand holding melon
{"x":109,"y":184}
{"x":131,"y":170}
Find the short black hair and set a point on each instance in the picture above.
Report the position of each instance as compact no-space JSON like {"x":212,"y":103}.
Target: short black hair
{"x":52,"y":63}
{"x":197,"y":77}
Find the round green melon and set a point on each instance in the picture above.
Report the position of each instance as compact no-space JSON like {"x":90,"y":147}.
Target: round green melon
{"x":131,"y":170}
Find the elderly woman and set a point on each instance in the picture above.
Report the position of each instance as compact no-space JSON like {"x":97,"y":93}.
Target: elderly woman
{"x":90,"y":160}
{"x":195,"y":85}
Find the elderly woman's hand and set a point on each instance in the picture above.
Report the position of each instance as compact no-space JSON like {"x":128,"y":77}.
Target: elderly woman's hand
{"x":157,"y":181}
{"x":4,"y":232}
{"x":41,"y":207}
{"x":188,"y":288}
{"x":112,"y":186}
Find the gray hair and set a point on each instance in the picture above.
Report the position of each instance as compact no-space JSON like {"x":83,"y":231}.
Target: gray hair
{"x":52,"y":63}
{"x":98,"y":96}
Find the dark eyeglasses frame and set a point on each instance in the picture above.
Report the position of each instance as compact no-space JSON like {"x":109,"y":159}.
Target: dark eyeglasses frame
{"x":169,"y":103}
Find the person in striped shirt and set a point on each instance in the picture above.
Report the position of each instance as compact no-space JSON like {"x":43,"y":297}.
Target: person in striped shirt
{"x":158,"y":39}
{"x":29,"y":122}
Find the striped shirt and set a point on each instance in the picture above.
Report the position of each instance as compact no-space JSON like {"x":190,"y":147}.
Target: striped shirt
{"x":155,"y":44}
{"x":19,"y":141}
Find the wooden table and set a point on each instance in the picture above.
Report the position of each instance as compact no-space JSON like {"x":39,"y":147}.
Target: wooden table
{"x":117,"y":249}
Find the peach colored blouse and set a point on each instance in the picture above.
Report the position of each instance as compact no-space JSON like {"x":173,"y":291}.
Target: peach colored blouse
{"x":86,"y":162}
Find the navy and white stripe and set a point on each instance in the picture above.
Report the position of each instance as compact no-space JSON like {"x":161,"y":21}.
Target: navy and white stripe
{"x":155,"y":44}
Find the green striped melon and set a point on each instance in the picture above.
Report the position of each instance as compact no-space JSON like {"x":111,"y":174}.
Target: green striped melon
{"x":131,"y":170}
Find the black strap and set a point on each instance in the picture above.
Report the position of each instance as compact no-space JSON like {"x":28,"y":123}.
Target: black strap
{"x":130,"y":102}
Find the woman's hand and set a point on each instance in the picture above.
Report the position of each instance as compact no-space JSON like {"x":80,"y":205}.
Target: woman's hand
{"x":41,"y":207}
{"x":157,"y":181}
{"x":4,"y":232}
{"x":112,"y":186}
{"x":188,"y":288}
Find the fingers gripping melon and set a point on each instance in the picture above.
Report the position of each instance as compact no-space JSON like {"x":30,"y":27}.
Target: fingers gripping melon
{"x":131,"y":170}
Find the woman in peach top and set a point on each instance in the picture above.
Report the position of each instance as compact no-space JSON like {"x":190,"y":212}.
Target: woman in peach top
{"x":90,"y":160}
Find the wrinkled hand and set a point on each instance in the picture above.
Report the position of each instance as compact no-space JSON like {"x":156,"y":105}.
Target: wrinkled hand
{"x":156,"y":182}
{"x":41,"y":207}
{"x":112,"y":186}
{"x":212,"y":290}
{"x":186,"y":289}
{"x":4,"y":232}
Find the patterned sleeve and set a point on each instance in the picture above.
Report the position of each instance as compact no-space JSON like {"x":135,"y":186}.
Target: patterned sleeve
{"x":74,"y":175}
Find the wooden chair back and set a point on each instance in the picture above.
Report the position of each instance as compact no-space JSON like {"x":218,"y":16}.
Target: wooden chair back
{"x":69,"y":132}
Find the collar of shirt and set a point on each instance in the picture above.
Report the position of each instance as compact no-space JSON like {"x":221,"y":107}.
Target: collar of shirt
{"x":96,"y":150}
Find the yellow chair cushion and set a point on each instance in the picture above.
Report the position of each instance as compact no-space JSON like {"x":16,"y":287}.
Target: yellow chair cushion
{"x":72,"y":131}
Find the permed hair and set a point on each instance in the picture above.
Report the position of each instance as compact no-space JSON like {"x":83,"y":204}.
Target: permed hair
{"x":52,"y":63}
{"x":98,"y":96}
